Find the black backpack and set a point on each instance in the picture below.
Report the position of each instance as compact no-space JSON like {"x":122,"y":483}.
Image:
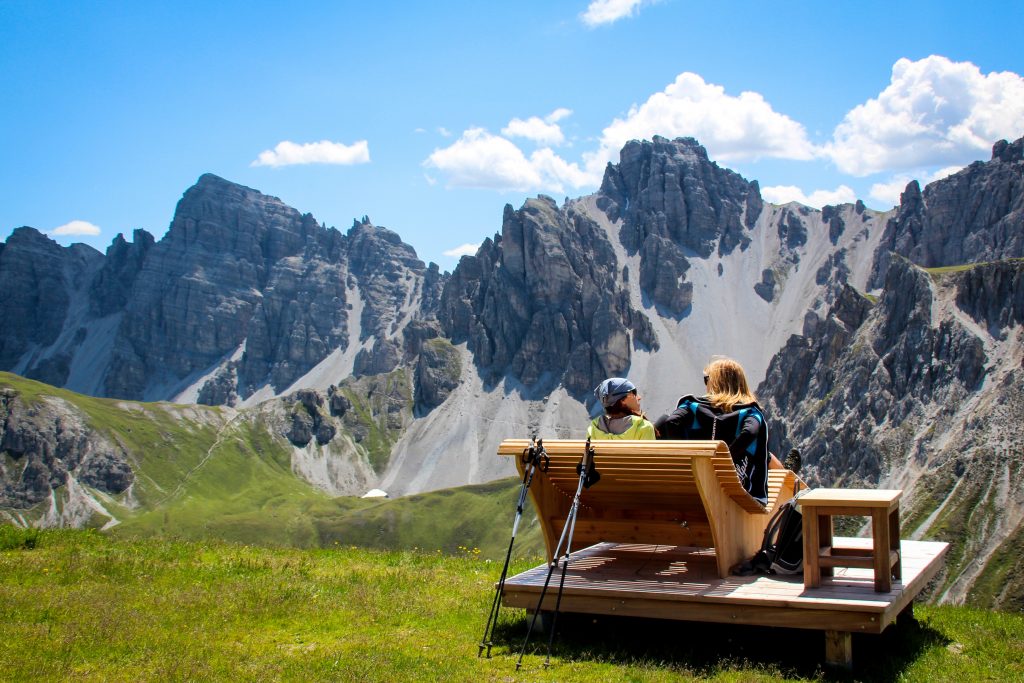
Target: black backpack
{"x":782,"y":550}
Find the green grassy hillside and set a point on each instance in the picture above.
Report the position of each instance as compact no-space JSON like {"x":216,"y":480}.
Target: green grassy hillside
{"x":208,"y":473}
{"x":85,"y":606}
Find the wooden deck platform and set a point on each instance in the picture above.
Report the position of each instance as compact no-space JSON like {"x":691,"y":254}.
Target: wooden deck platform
{"x":682,"y":583}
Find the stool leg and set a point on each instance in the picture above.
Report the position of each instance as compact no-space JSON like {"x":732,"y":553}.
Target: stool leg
{"x":812,"y":575}
{"x":894,"y":543}
{"x":880,"y":533}
{"x":825,"y":532}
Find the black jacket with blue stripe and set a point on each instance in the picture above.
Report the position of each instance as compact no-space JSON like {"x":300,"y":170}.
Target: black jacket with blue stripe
{"x":744,"y":430}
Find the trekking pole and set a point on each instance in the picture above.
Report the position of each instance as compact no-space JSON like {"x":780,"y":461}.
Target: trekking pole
{"x":533,"y":457}
{"x":588,"y":477}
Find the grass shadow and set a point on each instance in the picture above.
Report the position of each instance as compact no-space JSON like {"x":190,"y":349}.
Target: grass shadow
{"x":706,"y":649}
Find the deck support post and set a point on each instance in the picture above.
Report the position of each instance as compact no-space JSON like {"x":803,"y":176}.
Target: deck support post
{"x":906,"y":616}
{"x":839,"y":649}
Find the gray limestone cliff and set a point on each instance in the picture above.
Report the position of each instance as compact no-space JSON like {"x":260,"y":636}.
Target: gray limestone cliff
{"x":42,"y":283}
{"x":438,"y":372}
{"x":112,"y":285}
{"x":972,"y":216}
{"x":46,"y":442}
{"x":921,"y":391}
{"x":673,"y":200}
{"x":863,"y":365}
{"x":201,"y":286}
{"x":545,"y":302}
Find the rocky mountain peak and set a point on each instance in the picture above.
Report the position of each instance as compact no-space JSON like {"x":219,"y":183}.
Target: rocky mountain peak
{"x":971,"y":216}
{"x":671,"y":189}
{"x":112,"y":286}
{"x":41,"y":281}
{"x":371,"y":244}
{"x":197,"y":291}
{"x":545,"y":301}
{"x":1008,"y":152}
{"x":222,"y":217}
{"x":673,"y":200}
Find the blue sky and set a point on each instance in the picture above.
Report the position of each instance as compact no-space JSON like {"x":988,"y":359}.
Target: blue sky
{"x":429,"y":117}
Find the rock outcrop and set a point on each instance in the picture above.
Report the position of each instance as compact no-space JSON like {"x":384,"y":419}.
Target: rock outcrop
{"x":919,"y":391}
{"x":438,"y":372}
{"x":545,"y":302}
{"x":307,"y":419}
{"x":242,"y":288}
{"x":112,"y":285}
{"x":202,"y":286}
{"x":972,"y":216}
{"x":44,"y":443}
{"x":41,"y":281}
{"x":672,"y":199}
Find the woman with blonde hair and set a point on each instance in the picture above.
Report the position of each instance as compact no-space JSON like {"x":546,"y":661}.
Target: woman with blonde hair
{"x":728,"y":412}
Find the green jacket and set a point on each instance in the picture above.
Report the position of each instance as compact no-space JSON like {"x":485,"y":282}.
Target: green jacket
{"x":640,"y":429}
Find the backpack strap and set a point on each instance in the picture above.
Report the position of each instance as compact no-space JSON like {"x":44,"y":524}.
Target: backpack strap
{"x":739,"y":421}
{"x":694,"y":407}
{"x":752,"y":410}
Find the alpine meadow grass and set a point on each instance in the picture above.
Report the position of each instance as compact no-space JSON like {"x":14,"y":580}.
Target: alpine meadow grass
{"x":81,"y":605}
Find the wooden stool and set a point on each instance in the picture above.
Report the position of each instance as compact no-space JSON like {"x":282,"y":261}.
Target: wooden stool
{"x":820,"y":556}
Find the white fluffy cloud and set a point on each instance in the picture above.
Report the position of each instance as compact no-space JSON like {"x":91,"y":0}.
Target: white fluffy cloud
{"x":558,"y":115}
{"x":76,"y":228}
{"x":601,"y":12}
{"x":288,"y":153}
{"x":783,"y":194}
{"x":481,"y":160}
{"x":544,"y":131}
{"x":934,"y":111}
{"x":557,"y":173}
{"x":730,"y":128}
{"x":887,"y":194}
{"x":462,"y":250}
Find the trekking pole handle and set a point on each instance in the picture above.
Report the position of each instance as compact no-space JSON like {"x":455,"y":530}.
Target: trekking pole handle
{"x":586,"y":469}
{"x":536,"y":455}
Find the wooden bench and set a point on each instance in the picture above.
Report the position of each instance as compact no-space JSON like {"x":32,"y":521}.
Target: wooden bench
{"x":678,"y":493}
